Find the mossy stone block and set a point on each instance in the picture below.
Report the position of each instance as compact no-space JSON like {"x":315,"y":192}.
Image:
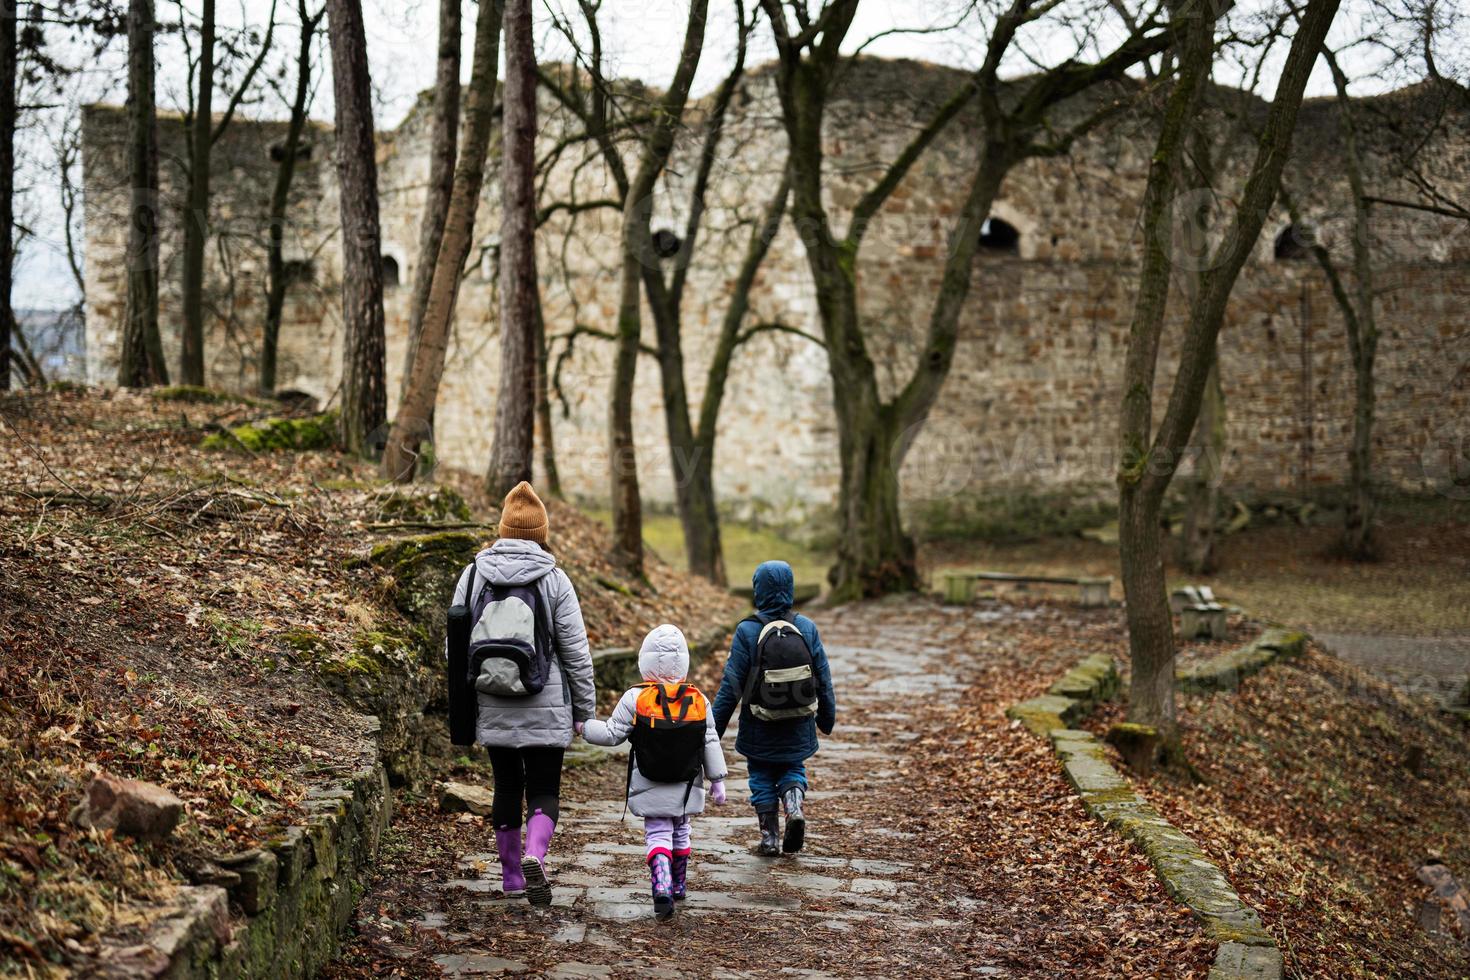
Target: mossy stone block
{"x":279,"y":435}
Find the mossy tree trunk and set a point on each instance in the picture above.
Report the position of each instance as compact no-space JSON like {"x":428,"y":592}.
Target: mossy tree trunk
{"x":277,"y":275}
{"x":140,"y":361}
{"x":443,"y":150}
{"x":512,"y":449}
{"x":416,"y":407}
{"x":364,"y":396}
{"x":552,"y":479}
{"x":1148,"y":459}
{"x":9,"y":55}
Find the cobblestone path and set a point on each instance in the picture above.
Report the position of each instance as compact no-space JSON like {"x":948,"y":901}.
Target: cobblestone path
{"x":863,"y":899}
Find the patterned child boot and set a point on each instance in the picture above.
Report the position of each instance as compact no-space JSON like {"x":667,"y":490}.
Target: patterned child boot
{"x":792,"y":798}
{"x":508,"y":846}
{"x":533,"y":865}
{"x":770,"y":822}
{"x":660,"y":871}
{"x":680,"y":870}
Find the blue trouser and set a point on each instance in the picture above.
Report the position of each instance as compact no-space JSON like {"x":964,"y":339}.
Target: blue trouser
{"x":768,"y":779}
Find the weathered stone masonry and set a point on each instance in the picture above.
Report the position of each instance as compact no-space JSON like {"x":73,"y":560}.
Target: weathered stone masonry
{"x":1030,"y":405}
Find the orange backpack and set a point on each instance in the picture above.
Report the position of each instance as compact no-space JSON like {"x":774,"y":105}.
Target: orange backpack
{"x":668,"y":733}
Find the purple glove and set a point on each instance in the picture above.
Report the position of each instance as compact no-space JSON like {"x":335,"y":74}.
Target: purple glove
{"x":717,"y":792}
{"x":577,"y":726}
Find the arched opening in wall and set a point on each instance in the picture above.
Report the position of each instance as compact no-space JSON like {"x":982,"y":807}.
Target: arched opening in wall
{"x":1294,"y":242}
{"x":666,"y":244}
{"x":390,"y":272}
{"x":1000,"y":237}
{"x":278,"y":152}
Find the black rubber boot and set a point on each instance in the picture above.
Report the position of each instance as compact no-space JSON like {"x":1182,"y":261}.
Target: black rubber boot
{"x":770,"y":821}
{"x":791,"y":799}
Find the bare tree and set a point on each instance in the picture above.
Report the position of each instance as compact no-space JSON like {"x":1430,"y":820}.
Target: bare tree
{"x":692,"y":440}
{"x":515,"y":406}
{"x":279,"y":276}
{"x":204,"y":132}
{"x":874,"y":554}
{"x":141,"y":360}
{"x":653,"y":135}
{"x":364,"y":396}
{"x":1148,"y":458}
{"x":443,"y":149}
{"x":411,"y":424}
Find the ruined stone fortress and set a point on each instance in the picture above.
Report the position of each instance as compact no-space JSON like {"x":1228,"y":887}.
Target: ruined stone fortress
{"x":1030,"y":407}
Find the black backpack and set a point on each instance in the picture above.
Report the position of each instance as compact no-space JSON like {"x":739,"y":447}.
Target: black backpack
{"x":783,"y":684}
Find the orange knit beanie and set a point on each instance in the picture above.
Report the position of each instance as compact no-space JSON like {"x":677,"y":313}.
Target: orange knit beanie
{"x":523,"y":515}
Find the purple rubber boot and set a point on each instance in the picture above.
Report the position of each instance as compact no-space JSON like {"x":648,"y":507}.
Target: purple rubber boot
{"x":679,"y":869}
{"x":508,"y":846}
{"x":533,"y":865}
{"x":659,"y":870}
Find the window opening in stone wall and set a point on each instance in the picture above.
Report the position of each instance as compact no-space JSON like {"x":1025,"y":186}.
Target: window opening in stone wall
{"x":998,"y":235}
{"x":666,"y":244}
{"x":1294,"y":242}
{"x":390,"y":272}
{"x":298,"y":270}
{"x":278,"y":152}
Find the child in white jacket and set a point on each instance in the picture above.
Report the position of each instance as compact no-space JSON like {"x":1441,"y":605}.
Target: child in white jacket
{"x":675,"y":749}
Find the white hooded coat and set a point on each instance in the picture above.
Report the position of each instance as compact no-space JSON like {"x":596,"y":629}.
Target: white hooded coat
{"x":664,"y":658}
{"x":543,"y":719}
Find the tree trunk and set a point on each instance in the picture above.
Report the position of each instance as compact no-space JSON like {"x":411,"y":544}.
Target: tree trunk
{"x":443,"y":149}
{"x":9,"y":53}
{"x":1357,"y":538}
{"x":637,"y":250}
{"x":416,"y":407}
{"x":1197,"y":544}
{"x":196,"y":206}
{"x":1151,"y":691}
{"x":280,"y":197}
{"x":624,"y":495}
{"x":552,"y":479}
{"x":515,"y":407}
{"x":1147,"y":461}
{"x":140,"y":361}
{"x":364,"y":399}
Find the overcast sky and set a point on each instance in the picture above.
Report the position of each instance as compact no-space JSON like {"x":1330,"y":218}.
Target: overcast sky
{"x":642,"y":38}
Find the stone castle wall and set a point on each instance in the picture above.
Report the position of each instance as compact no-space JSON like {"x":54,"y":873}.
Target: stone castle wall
{"x":1031,"y":402}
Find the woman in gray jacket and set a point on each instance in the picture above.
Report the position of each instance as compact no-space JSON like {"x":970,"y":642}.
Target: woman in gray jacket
{"x":527,"y":736}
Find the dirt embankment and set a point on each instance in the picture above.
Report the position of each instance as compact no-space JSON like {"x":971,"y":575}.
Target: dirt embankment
{"x":206,"y":619}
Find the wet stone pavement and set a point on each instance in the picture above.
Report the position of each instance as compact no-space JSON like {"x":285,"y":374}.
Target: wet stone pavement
{"x":857,"y":901}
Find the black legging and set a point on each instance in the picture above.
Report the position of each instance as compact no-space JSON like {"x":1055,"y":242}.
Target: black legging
{"x":532,"y":774}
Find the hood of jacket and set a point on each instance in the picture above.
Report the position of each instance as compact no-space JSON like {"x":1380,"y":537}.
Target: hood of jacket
{"x":773,"y":586}
{"x":664,"y":656}
{"x":514,"y":561}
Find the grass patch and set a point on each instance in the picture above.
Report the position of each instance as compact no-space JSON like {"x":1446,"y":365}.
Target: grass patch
{"x":745,"y":547}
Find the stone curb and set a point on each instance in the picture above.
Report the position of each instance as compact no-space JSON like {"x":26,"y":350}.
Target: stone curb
{"x":1246,"y":950}
{"x":1091,"y":680}
{"x":1225,"y":672}
{"x":306,"y":883}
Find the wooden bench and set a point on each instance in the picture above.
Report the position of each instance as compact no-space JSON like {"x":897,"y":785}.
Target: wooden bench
{"x":959,"y":587}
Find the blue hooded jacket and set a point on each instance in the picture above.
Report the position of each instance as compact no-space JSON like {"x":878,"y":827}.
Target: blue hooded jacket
{"x":774,"y":741}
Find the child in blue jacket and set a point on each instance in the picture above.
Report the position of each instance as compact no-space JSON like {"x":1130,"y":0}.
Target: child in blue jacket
{"x":775,"y":750}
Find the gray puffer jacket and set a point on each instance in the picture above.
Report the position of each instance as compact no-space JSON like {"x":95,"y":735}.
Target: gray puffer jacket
{"x":664,"y":658}
{"x":543,"y":719}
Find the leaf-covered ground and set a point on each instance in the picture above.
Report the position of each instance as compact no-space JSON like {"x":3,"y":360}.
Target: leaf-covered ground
{"x":149,"y":594}
{"x":1324,"y":791}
